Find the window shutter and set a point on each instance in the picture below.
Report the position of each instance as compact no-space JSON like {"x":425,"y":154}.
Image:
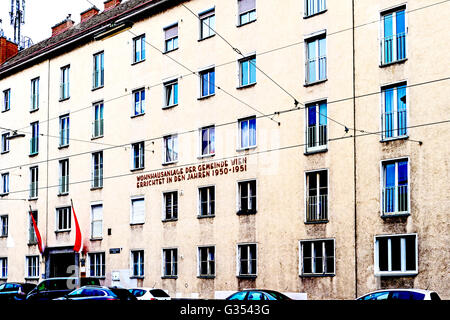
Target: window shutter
{"x":138,"y":210}
{"x":171,"y":32}
{"x":246,"y":5}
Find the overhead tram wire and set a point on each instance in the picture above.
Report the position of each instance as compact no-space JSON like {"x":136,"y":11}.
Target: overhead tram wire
{"x":364,"y":133}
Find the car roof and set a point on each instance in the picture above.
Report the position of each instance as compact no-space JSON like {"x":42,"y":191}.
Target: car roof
{"x":424,"y":291}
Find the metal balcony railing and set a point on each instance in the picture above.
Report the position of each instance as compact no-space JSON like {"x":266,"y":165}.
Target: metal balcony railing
{"x":317,"y":208}
{"x":394,"y":124}
{"x":393,"y":48}
{"x":34,"y":145}
{"x":64,"y":184}
{"x":97,"y":178}
{"x":97,"y":128}
{"x":316,"y":137}
{"x":395,"y":200}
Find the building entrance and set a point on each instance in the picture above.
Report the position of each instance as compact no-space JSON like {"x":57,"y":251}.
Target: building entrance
{"x":61,"y":262}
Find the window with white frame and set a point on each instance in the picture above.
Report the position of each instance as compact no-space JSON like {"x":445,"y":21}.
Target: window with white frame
{"x":139,"y":102}
{"x":206,"y":261}
{"x":393,"y":35}
{"x":317,"y":196}
{"x":6,"y":100}
{"x":5,"y":183}
{"x":247,"y":197}
{"x":395,"y":187}
{"x":394,"y":115}
{"x":64,"y":176}
{"x":3,"y":267}
{"x":35,"y":94}
{"x":170,"y":262}
{"x":97,"y":170}
{"x":96,"y":221}
{"x":64,"y":127}
{"x":317,"y":257}
{"x":65,"y":83}
{"x":247,"y":259}
{"x":139,"y":49}
{"x":171,"y":38}
{"x":34,"y":181}
{"x":207,"y":141}
{"x":170,"y":149}
{"x":246,"y":11}
{"x":170,"y":200}
{"x":34,"y":140}
{"x":97,"y":264}
{"x":206,"y":201}
{"x":316,"y":126}
{"x":4,"y":225}
{"x":98,"y":76}
{"x":247,"y":71}
{"x":316,"y":58}
{"x":32,"y":239}
{"x":5,"y":142}
{"x":396,"y":255}
{"x":138,"y":155}
{"x":171,"y":93}
{"x":63,"y":219}
{"x":137,"y":263}
{"x":32,"y":264}
{"x":137,"y":210}
{"x":97,"y":124}
{"x":207,"y":82}
{"x":314,"y":6}
{"x":247,"y":133}
{"x":207,"y":23}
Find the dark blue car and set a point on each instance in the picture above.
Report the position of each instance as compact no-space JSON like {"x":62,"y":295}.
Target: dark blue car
{"x":87,"y":293}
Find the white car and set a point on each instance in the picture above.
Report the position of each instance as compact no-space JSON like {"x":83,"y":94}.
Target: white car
{"x":149,"y":294}
{"x":401,"y":294}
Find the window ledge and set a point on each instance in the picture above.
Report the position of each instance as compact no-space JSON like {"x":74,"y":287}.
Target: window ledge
{"x":169,"y":277}
{"x":309,"y":84}
{"x":137,"y":277}
{"x":31,"y":278}
{"x":96,"y":188}
{"x":62,"y":194}
{"x":169,"y":163}
{"x":4,"y":194}
{"x":405,"y":137}
{"x":205,"y":38}
{"x":5,"y":152}
{"x":63,"y":99}
{"x":33,"y":154}
{"x":96,"y":239}
{"x":63,"y":231}
{"x":169,"y":220}
{"x":132,"y":224}
{"x":97,"y":88}
{"x":97,"y":137}
{"x":206,"y":97}
{"x":314,"y":14}
{"x":34,"y":110}
{"x":396,"y":274}
{"x":395,"y":215}
{"x":247,"y":276}
{"x":206,"y":156}
{"x":317,"y":275}
{"x":384,"y":65}
{"x":3,"y":237}
{"x":169,"y":51}
{"x":246,"y":213}
{"x":311,"y":152}
{"x":137,"y":115}
{"x":169,"y":107}
{"x":245,"y":86}
{"x":137,"y":62}
{"x":245,"y":149}
{"x":206,"y":216}
{"x":5,"y":110}
{"x":317,"y":222}
{"x":63,"y":147}
{"x":244,"y":24}
{"x":137,"y":169}
{"x":32,"y":199}
{"x":206,"y":277}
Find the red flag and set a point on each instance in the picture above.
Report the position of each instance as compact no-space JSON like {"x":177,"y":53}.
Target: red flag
{"x":77,"y":246}
{"x":36,"y":231}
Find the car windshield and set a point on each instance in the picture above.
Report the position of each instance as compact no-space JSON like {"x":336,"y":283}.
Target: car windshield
{"x":277,"y":295}
{"x":238,"y":296}
{"x":77,"y":292}
{"x":376,"y":296}
{"x":137,"y":292}
{"x":158,"y":293}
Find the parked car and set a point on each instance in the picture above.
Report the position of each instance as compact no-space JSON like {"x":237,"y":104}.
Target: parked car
{"x":15,"y":291}
{"x":96,"y":293}
{"x":52,"y":288}
{"x":256,"y":294}
{"x":401,"y":294}
{"x":149,"y":294}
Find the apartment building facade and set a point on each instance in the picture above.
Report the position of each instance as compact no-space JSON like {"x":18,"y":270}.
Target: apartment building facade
{"x":200,"y":150}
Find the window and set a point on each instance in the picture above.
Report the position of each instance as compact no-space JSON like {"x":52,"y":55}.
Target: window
{"x":97,"y":170}
{"x":65,"y":84}
{"x":97,"y":264}
{"x":138,"y":153}
{"x":5,"y":142}
{"x":170,"y":200}
{"x":394,"y":117}
{"x":137,"y":260}
{"x":98,"y":77}
{"x":247,"y":133}
{"x":171,"y":37}
{"x":139,"y":49}
{"x":35,"y":94}
{"x":139,"y":102}
{"x":3,"y":268}
{"x":97,"y":125}
{"x":317,"y":196}
{"x":5,"y":183}
{"x":207,"y":140}
{"x":207,"y":83}
{"x":207,"y":23}
{"x":4,"y":226}
{"x":314,"y":6}
{"x":317,"y":257}
{"x":137,"y":210}
{"x":170,"y":149}
{"x":246,"y":11}
{"x":247,"y":260}
{"x":34,"y":141}
{"x":171,"y":93}
{"x":32,"y":267}
{"x":396,"y":255}
{"x":395,"y":187}
{"x":247,"y":197}
{"x":64,"y":176}
{"x":63,"y":219}
{"x":206,"y":201}
{"x":32,"y":239}
{"x":96,"y":221}
{"x":316,"y":59}
{"x":247,"y":71}
{"x":393,"y":36}
{"x":64,"y":127}
{"x":316,"y":126}
{"x":34,"y":180}
{"x":6,"y":100}
{"x":206,"y":261}
{"x":170,"y":262}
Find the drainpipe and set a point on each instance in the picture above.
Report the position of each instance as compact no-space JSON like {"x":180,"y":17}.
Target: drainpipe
{"x":354,"y":153}
{"x":47,"y":161}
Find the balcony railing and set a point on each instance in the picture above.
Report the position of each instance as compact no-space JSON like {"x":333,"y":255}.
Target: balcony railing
{"x":34,"y":145}
{"x":64,"y":137}
{"x":34,"y":101}
{"x":97,"y":178}
{"x":64,"y":91}
{"x":316,"y":72}
{"x":393,"y":48}
{"x":98,"y":79}
{"x":394,"y":124}
{"x":316,"y":137}
{"x":33,"y":190}
{"x":64,"y":185}
{"x":97,"y":128}
{"x":317,"y":208}
{"x":395,"y":200}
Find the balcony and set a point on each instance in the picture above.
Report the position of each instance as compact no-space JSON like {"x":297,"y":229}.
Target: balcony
{"x":394,"y":124}
{"x":316,"y":138}
{"x":393,"y":48}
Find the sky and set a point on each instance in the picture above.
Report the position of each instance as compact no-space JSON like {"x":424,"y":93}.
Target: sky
{"x":42,"y":15}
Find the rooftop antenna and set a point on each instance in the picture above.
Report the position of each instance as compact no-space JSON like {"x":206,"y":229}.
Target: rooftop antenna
{"x":1,"y":29}
{"x":17,"y":18}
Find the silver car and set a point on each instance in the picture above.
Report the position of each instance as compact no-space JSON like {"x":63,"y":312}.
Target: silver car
{"x":401,"y":294}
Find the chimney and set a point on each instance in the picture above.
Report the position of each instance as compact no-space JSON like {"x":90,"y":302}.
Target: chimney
{"x":85,"y":15}
{"x":62,"y":26}
{"x":109,"y":4}
{"x":8,"y":49}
